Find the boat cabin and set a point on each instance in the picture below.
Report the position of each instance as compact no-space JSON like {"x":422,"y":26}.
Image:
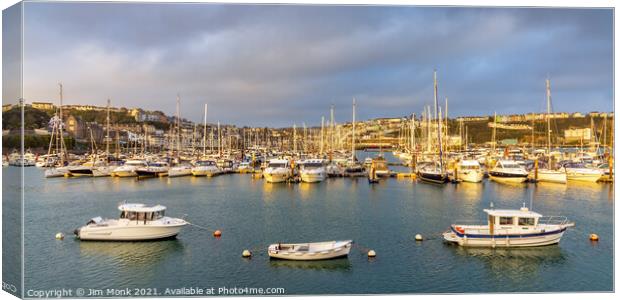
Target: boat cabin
{"x":312,"y":164}
{"x":469,"y":165}
{"x":141,"y":213}
{"x":502,"y":220}
{"x":206,"y":163}
{"x":507,"y":164}
{"x":278,"y":163}
{"x":136,"y":163}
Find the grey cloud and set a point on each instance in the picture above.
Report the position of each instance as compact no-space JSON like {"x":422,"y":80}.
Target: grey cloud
{"x":275,"y":65}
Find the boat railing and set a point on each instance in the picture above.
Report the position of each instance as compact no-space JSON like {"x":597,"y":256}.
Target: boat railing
{"x":553,"y":220}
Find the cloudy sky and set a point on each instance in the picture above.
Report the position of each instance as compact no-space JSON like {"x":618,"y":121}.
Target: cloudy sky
{"x":271,"y":65}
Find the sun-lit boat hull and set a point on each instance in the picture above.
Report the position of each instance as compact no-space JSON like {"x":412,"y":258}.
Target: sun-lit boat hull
{"x":551,"y":176}
{"x":340,"y":249}
{"x":312,"y":177}
{"x":127,"y":233}
{"x":493,"y":241}
{"x":275,"y":177}
{"x":470,"y":176}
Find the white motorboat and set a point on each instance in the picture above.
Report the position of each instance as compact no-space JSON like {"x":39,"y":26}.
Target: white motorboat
{"x":333,"y":169}
{"x":245,"y":167}
{"x":310,"y":251}
{"x":180,"y":170}
{"x":56,"y":172}
{"x":129,"y":168}
{"x":508,"y":171}
{"x":103,"y":171}
{"x":28,"y":159}
{"x":278,"y":170}
{"x":153,"y":169}
{"x":313,"y":170}
{"x":207,"y":168}
{"x":137,"y":222}
{"x":470,"y":171}
{"x":549,"y":175}
{"x":510,"y":228}
{"x":579,"y":172}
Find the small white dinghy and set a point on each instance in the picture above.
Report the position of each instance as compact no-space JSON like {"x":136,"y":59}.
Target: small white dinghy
{"x":310,"y":251}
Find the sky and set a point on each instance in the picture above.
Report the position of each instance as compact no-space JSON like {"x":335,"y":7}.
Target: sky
{"x":274,"y":65}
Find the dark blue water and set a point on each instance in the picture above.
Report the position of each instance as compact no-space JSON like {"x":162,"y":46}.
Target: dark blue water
{"x":252,"y":214}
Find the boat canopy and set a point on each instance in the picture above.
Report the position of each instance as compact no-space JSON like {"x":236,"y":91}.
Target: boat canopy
{"x":138,"y":207}
{"x":522,"y":213}
{"x":470,"y":163}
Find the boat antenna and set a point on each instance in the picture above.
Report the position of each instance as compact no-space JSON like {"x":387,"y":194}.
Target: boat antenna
{"x":531,"y":200}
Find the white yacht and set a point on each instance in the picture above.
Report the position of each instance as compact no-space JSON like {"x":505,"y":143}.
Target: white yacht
{"x":137,"y":222}
{"x":310,"y":251}
{"x":579,"y":172}
{"x":470,"y":171}
{"x":56,"y":172}
{"x":245,"y":167}
{"x":510,"y":228}
{"x":129,"y":168}
{"x":153,"y":169}
{"x":508,"y":171}
{"x":180,"y":170}
{"x":313,"y":170}
{"x":278,"y":170}
{"x":206,"y":168}
{"x":549,"y":175}
{"x":28,"y":159}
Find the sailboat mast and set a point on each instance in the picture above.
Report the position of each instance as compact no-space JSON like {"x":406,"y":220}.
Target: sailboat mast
{"x":322,"y":138}
{"x":294,"y":138}
{"x":548,"y":117}
{"x":353,"y":134}
{"x":107,"y":132}
{"x":204,"y":134}
{"x":178,"y":135}
{"x":438,"y":120}
{"x":63,"y":149}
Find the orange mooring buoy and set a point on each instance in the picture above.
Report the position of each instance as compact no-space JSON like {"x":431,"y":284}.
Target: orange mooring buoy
{"x":217,"y":233}
{"x":594,"y":237}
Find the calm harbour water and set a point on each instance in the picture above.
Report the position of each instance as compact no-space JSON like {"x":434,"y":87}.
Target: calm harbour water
{"x":252,"y":214}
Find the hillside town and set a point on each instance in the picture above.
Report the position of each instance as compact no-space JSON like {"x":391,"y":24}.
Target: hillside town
{"x":136,"y":127}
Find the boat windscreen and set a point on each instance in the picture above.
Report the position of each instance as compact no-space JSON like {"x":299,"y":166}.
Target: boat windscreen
{"x":277,"y":165}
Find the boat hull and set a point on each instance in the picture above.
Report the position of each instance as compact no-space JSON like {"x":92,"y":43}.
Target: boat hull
{"x":55,"y":172}
{"x":128,"y":233}
{"x":470,"y":176}
{"x":338,"y":252}
{"x":275,"y":177}
{"x":312,"y":177}
{"x":433,"y":177}
{"x":506,"y":241}
{"x":179,"y":172}
{"x":127,"y":173}
{"x":551,"y":176}
{"x":507,"y":177}
{"x":587,"y":177}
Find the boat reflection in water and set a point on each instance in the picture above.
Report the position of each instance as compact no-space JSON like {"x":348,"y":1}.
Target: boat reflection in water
{"x":338,"y":264}
{"x":130,"y":254}
{"x":515,"y":263}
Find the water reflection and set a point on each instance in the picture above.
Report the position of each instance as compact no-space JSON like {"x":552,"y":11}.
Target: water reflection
{"x":469,"y":191}
{"x":130,"y":254}
{"x":339,"y":264}
{"x":515,"y":263}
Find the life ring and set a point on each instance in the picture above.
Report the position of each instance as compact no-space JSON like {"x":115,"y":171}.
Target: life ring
{"x":459,"y":229}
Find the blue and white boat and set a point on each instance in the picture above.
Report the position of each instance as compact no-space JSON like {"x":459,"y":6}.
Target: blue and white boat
{"x":510,"y":228}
